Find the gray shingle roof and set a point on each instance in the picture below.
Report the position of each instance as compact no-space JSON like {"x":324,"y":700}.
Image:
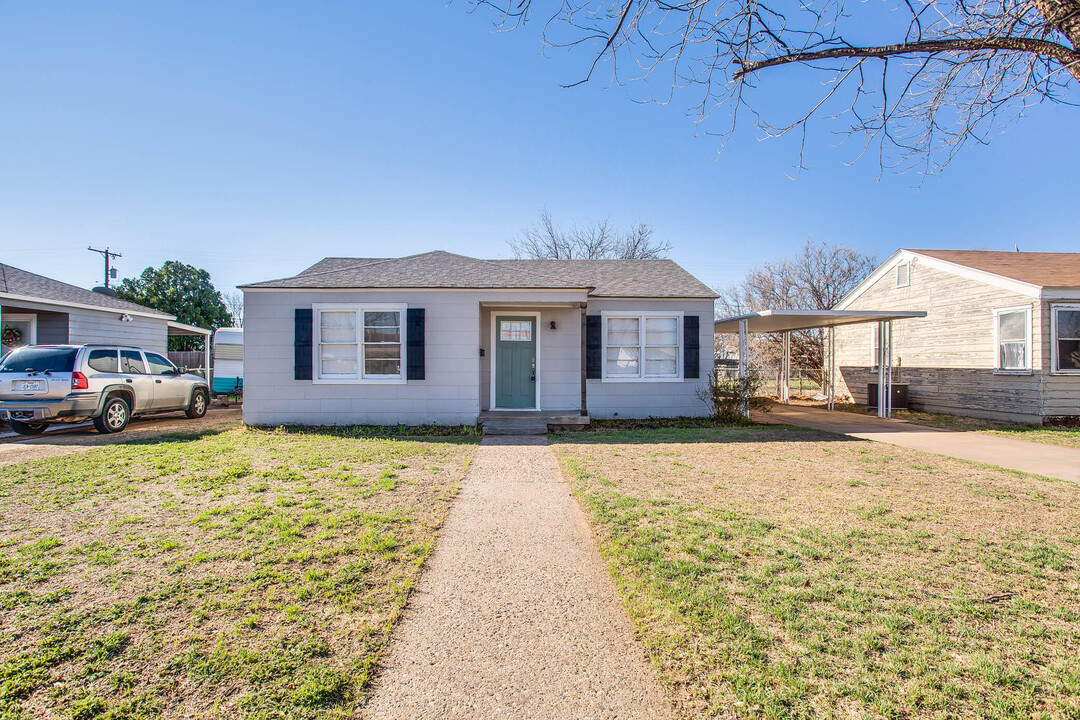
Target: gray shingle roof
{"x":31,"y":285}
{"x":439,"y":269}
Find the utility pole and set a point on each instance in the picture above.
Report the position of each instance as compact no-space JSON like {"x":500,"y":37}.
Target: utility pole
{"x":110,"y":272}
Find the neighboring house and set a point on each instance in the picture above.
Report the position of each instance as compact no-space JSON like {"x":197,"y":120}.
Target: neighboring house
{"x":1001,"y":338}
{"x":38,"y":310}
{"x":439,"y":338}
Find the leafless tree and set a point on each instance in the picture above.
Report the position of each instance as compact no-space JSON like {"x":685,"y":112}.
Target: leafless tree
{"x":945,"y":73}
{"x":547,"y":240}
{"x":817,"y":278}
{"x":234,"y":303}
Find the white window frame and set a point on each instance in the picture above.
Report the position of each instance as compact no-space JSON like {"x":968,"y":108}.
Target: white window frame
{"x":359,"y":308}
{"x":907,"y":268}
{"x":998,"y":312}
{"x":31,"y":318}
{"x":1054,"y":308}
{"x":641,"y":316}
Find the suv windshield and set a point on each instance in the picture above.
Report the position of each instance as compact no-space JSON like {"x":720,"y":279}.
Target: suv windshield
{"x":39,"y":359}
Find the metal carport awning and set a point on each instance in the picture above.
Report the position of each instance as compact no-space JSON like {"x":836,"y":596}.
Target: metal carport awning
{"x":179,"y":328}
{"x":787,"y":321}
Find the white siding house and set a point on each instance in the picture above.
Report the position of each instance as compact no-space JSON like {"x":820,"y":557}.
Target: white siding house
{"x":43,"y":311}
{"x":442,"y":338}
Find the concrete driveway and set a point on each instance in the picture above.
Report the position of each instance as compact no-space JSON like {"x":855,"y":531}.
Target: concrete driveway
{"x":65,"y":440}
{"x":1024,"y":455}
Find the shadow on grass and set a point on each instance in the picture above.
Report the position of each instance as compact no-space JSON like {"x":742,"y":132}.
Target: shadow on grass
{"x":176,"y":436}
{"x":694,"y":430}
{"x":421,"y":433}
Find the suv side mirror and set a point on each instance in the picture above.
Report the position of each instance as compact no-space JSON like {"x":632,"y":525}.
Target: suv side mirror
{"x":183,"y":371}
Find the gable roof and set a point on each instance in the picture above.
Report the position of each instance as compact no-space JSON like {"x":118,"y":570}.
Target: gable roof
{"x":1025,"y":273}
{"x":31,"y":286}
{"x":440,"y":269}
{"x":1045,"y":269}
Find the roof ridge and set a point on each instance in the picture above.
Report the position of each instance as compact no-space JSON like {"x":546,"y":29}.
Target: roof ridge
{"x":538,"y":278}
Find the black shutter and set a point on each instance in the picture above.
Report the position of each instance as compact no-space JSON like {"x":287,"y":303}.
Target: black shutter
{"x":593,"y":358}
{"x":414,"y":338}
{"x":302,"y":344}
{"x":691,"y":346}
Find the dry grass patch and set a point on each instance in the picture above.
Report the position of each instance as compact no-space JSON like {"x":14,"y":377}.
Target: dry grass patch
{"x":776,"y":572}
{"x":240,"y":574}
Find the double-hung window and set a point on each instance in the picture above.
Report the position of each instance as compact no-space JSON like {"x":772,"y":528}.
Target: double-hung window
{"x":644,"y":346}
{"x":1065,"y":324}
{"x":359,"y":343}
{"x":1012,"y":327}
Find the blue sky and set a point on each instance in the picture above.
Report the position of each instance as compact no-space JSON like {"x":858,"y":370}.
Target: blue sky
{"x":254,"y":138}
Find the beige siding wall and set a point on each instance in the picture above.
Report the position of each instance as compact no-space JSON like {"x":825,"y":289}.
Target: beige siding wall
{"x":947,"y":358}
{"x":1060,"y":393}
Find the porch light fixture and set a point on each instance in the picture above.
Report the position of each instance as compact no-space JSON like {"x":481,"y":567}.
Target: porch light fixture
{"x":553,"y":325}
{"x":125,"y":318}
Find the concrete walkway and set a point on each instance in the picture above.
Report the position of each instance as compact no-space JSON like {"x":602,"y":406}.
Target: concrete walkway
{"x":515,"y":615}
{"x":1033,"y":457}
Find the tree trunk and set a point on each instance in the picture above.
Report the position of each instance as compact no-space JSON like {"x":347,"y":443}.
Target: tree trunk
{"x":1064,"y":16}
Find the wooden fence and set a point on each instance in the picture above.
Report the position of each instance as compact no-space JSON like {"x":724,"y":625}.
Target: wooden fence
{"x":188,"y":358}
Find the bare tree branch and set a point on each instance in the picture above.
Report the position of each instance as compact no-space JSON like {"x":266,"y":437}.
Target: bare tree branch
{"x":546,"y":240}
{"x":817,"y":278}
{"x":1068,"y":58}
{"x":955,"y":73}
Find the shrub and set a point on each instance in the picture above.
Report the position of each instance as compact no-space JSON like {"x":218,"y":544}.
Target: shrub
{"x":727,"y":395}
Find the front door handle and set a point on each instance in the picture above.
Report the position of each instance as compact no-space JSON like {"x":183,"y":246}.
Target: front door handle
{"x":533,"y":378}
{"x":157,"y":381}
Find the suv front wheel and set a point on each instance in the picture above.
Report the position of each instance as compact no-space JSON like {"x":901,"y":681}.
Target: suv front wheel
{"x":114,"y":416}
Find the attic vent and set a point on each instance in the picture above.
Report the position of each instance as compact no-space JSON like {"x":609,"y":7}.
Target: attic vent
{"x":903,"y":275}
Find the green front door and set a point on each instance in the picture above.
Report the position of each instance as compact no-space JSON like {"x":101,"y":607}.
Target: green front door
{"x":515,"y":361}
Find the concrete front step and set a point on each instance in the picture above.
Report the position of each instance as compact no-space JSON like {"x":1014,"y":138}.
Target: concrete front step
{"x":530,"y":423}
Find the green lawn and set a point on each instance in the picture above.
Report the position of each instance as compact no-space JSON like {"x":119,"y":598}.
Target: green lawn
{"x":239,"y":574}
{"x":781,"y":573}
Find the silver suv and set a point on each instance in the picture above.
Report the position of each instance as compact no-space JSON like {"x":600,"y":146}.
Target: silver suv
{"x":43,"y":384}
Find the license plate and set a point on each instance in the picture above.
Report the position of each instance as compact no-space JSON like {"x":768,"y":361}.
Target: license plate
{"x":28,"y":385}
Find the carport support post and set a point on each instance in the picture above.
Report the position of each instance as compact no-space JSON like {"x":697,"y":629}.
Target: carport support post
{"x":744,"y":366}
{"x":206,"y":356}
{"x":884,"y":361}
{"x":830,"y":379}
{"x":888,"y":369}
{"x":785,"y":369}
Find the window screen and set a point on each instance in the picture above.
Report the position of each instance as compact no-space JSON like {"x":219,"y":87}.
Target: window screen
{"x":1013,"y":334}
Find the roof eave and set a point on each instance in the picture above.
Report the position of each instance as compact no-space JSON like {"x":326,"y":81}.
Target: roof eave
{"x":145,"y":312}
